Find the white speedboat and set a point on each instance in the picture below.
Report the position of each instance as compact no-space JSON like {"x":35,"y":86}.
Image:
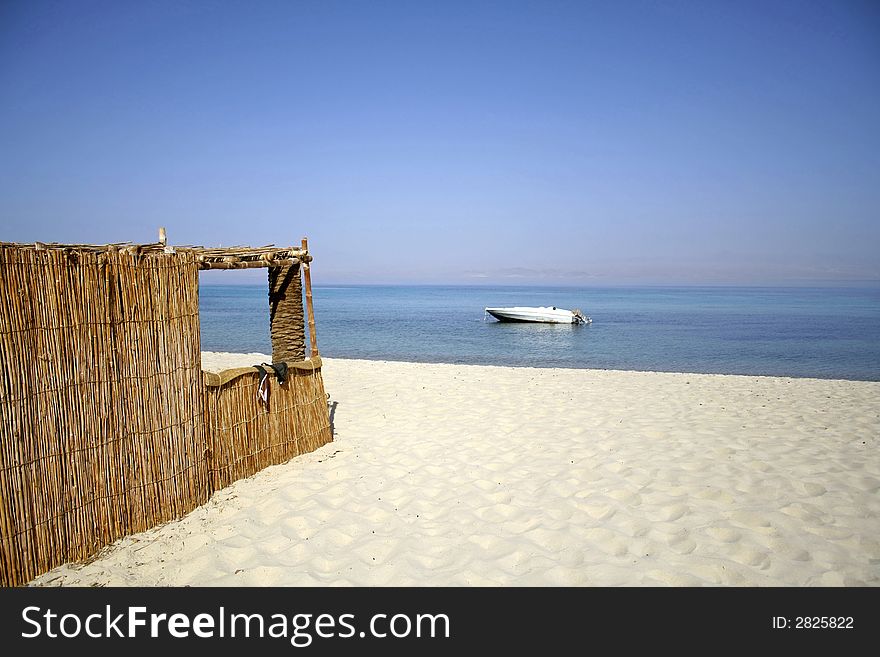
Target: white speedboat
{"x":543,"y":314}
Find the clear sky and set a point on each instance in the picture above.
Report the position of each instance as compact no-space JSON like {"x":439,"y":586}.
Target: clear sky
{"x":581,"y":143}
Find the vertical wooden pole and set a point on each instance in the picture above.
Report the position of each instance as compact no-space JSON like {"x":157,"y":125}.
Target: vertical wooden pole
{"x":306,"y":267}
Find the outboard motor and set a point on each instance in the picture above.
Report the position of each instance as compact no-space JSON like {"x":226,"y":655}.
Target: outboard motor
{"x":580,"y":318}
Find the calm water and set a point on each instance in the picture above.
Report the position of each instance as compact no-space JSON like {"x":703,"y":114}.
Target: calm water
{"x":827,"y":333}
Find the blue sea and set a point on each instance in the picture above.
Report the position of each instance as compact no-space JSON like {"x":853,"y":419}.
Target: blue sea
{"x":816,"y":332}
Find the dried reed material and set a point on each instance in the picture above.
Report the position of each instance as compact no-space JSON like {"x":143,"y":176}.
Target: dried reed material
{"x":244,"y":436}
{"x":286,"y":324}
{"x":101,"y":401}
{"x":107,"y":424}
{"x":208,"y":257}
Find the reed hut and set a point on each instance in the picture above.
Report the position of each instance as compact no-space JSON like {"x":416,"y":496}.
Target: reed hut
{"x":108,"y":425}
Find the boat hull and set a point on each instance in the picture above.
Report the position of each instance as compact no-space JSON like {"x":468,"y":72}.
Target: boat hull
{"x":539,"y":315}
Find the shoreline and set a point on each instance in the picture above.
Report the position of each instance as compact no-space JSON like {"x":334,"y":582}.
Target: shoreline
{"x":490,"y":475}
{"x":238,"y":362}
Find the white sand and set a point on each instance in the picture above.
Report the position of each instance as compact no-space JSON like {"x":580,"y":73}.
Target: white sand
{"x":469,"y":475}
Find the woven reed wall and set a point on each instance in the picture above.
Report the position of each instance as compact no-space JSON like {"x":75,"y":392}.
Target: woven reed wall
{"x":286,"y":318}
{"x":101,"y":401}
{"x":245,"y":435}
{"x":108,"y":426}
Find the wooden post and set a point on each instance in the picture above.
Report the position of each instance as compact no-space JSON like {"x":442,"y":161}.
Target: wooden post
{"x":313,"y":345}
{"x":163,"y":240}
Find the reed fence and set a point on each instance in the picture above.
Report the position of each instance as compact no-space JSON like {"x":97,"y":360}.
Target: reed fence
{"x":100,"y":401}
{"x":246,"y":435}
{"x":108,"y":426}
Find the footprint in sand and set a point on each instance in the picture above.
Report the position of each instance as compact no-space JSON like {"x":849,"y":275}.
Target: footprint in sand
{"x":715,"y":495}
{"x":751,"y":557}
{"x":664,"y":511}
{"x":497,"y":512}
{"x":597,"y":508}
{"x":431,"y":562}
{"x":750,"y":520}
{"x":829,"y":532}
{"x":604,"y":540}
{"x":485,"y":484}
{"x":808,"y":513}
{"x":625,"y":496}
{"x":675,"y":579}
{"x":724,"y":534}
{"x":813,"y":490}
{"x":548,"y":540}
{"x":683,"y":544}
{"x":869,"y":484}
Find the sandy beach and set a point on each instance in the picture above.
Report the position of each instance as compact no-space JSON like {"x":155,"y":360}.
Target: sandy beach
{"x":467,"y":475}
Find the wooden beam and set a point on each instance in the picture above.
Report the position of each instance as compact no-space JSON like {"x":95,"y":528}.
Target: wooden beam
{"x":247,"y":264}
{"x":313,"y":344}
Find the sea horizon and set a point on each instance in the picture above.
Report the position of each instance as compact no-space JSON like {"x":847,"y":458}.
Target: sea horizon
{"x":238,"y":281}
{"x":804,"y":332}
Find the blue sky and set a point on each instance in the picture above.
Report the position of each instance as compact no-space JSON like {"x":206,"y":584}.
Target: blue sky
{"x":582,"y":143}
